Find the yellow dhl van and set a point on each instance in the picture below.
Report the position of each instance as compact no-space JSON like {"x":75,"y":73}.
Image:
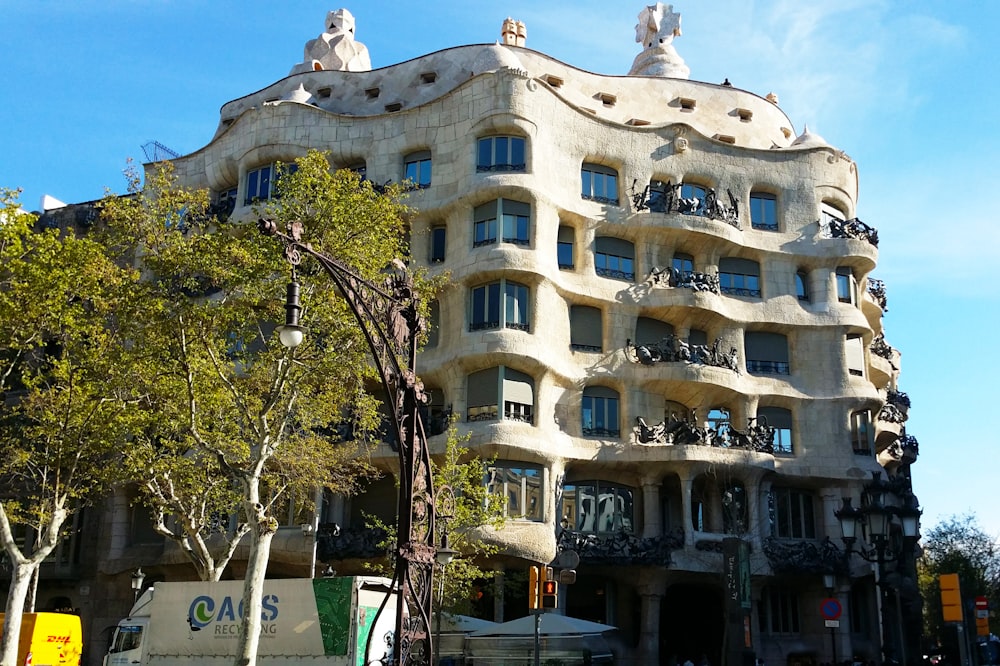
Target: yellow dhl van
{"x":49,"y":639}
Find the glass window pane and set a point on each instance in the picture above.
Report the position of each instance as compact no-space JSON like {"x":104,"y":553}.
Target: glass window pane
{"x":493,"y":303}
{"x":485,"y":158}
{"x":517,"y":151}
{"x":500,"y":150}
{"x":587,"y":186}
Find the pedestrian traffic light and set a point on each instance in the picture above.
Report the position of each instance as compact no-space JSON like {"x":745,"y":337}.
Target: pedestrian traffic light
{"x":550,"y":589}
{"x":533,"y":585}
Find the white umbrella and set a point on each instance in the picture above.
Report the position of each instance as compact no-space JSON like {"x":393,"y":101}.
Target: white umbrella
{"x":463,"y":623}
{"x":551,"y":624}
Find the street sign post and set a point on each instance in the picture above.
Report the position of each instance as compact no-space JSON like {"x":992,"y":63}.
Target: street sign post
{"x":831,"y":609}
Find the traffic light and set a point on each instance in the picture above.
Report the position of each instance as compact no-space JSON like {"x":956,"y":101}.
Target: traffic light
{"x":951,"y":598}
{"x":550,"y":589}
{"x":533,"y":588}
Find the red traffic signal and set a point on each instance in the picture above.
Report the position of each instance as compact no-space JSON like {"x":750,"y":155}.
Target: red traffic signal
{"x":549,"y":589}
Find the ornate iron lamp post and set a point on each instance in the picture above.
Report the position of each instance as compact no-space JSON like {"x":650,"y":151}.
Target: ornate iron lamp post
{"x":876,"y":520}
{"x":389,"y":317}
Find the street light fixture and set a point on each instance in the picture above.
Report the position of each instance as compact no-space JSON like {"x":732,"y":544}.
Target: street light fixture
{"x":388,"y":315}
{"x":138,"y":577}
{"x":443,"y":557}
{"x":876,"y":521}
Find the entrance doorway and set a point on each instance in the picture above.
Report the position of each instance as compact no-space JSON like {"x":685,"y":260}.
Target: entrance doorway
{"x":692,"y":624}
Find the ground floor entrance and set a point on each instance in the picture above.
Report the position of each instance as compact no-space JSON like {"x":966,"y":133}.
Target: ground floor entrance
{"x":692,"y":625}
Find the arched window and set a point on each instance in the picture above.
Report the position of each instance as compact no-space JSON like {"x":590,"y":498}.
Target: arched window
{"x":791,"y":513}
{"x":514,"y":218}
{"x":585,"y":328}
{"x":500,"y":304}
{"x":500,"y":153}
{"x":767,"y":353}
{"x":489,"y":388}
{"x":614,"y":258}
{"x":521,"y":484}
{"x":739,"y":277}
{"x":763,"y":211}
{"x":564,"y":247}
{"x":417,"y":168}
{"x":802,"y":285}
{"x":598,"y":507}
{"x":599,"y":183}
{"x":781,"y":420}
{"x":650,"y":331}
{"x":600,"y":412}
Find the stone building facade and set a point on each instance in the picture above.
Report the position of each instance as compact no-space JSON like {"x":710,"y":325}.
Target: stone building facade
{"x":661,"y":320}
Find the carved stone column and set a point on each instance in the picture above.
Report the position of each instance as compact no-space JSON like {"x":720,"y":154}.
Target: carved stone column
{"x":649,"y":633}
{"x":652,"y":518}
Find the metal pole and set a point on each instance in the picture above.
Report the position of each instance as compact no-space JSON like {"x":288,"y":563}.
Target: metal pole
{"x":833,"y":643}
{"x":538,"y":642}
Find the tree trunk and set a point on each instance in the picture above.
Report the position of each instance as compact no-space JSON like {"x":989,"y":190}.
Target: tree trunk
{"x":29,"y":604}
{"x":261,"y":535}
{"x":20,"y":581}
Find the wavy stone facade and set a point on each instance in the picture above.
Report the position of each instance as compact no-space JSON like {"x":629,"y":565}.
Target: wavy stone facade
{"x":660,"y":320}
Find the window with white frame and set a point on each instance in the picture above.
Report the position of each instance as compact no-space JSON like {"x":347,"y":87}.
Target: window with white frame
{"x":614,"y":258}
{"x":763,"y":211}
{"x":598,"y":507}
{"x":854,"y":350}
{"x":505,"y":219}
{"x":521,"y":485}
{"x":791,"y":513}
{"x":417,"y":169}
{"x":599,"y":183}
{"x":500,"y":153}
{"x":846,"y":285}
{"x":489,"y":389}
{"x":261,"y":182}
{"x":500,"y":304}
{"x":600,"y":412}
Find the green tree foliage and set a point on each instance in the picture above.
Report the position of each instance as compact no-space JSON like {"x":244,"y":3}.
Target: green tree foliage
{"x":958,"y":545}
{"x":468,"y":515}
{"x":225,"y":417}
{"x":60,"y":416}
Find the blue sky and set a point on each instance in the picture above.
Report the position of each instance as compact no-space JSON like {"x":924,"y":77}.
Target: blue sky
{"x":909,"y":89}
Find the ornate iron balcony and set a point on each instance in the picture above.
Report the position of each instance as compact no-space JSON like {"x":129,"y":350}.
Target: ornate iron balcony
{"x":758,"y":436}
{"x":621,"y":548}
{"x":666,"y":198}
{"x":876,"y":289}
{"x":672,"y":349}
{"x":674,"y":277}
{"x":766,"y":367}
{"x":853,"y":228}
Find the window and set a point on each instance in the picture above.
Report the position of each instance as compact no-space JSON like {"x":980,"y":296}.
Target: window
{"x":684,"y":263}
{"x":692,"y":199}
{"x":763,"y":211}
{"x":598,"y":507}
{"x":438,"y":236}
{"x":564,"y":247}
{"x":500,"y":153}
{"x":718,"y":419}
{"x":739,"y":277}
{"x":658,"y":200}
{"x":417,"y":169}
{"x":521,"y":484}
{"x":862,"y":436}
{"x":585,"y":329}
{"x":830,"y":212}
{"x":781,"y":420}
{"x":614,"y":258}
{"x":513,"y":216}
{"x":854,"y":349}
{"x":767,"y":353}
{"x":600,"y":412}
{"x":846,"y":286}
{"x":436,"y":417}
{"x":499,"y":304}
{"x":261,"y":182}
{"x":650,"y":331}
{"x":791,"y":514}
{"x":696,"y":337}
{"x":600,"y":183}
{"x":802,"y":285}
{"x":778,"y":612}
{"x":224,"y":202}
{"x":489,"y":388}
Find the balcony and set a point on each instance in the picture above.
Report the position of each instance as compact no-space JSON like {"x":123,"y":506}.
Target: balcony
{"x":853,"y":228}
{"x":666,"y":197}
{"x":758,"y":436}
{"x":876,"y":289}
{"x":676,"y":278}
{"x":672,"y":349}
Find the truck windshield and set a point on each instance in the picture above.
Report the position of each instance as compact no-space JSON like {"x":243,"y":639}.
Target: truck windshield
{"x":128,"y":638}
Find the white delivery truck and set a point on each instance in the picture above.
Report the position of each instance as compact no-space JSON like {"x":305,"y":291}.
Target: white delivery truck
{"x":319,"y":621}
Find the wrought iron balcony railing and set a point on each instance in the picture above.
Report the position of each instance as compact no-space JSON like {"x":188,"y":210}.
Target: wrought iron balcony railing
{"x":674,"y":277}
{"x":672,"y":349}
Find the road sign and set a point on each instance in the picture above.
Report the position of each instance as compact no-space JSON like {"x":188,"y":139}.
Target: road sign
{"x":832,"y":624}
{"x":830,"y":609}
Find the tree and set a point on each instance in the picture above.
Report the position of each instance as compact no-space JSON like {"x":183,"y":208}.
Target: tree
{"x":959,"y":546}
{"x":60,"y":418}
{"x":218,"y":399}
{"x":467,"y":516}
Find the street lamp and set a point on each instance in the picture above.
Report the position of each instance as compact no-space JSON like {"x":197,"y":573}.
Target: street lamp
{"x":876,"y":521}
{"x":443,"y":557}
{"x":388,"y":315}
{"x":137,"y":580}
